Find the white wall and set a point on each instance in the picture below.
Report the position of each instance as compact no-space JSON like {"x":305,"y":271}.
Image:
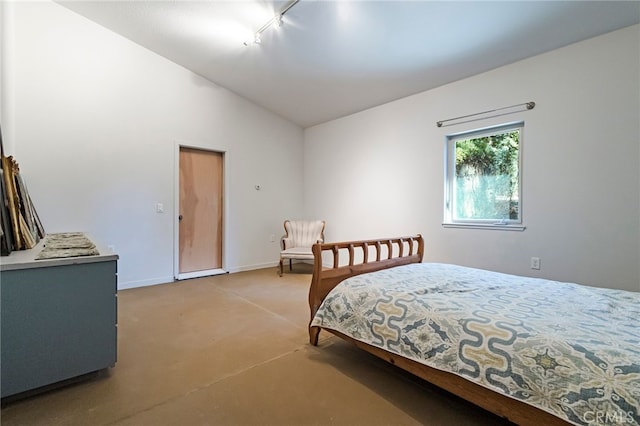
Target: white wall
{"x":93,"y":120}
{"x":6,"y":75}
{"x":380,"y":173}
{"x":96,"y":119}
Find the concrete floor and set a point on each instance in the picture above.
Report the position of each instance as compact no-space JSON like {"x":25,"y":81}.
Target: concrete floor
{"x":233,"y":350}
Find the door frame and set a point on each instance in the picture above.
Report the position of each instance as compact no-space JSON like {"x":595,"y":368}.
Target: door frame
{"x":176,"y":211}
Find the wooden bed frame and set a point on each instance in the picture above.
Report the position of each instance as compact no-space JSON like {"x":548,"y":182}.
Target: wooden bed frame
{"x":388,"y":254}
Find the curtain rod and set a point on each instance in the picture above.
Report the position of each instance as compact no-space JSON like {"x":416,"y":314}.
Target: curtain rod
{"x":528,"y":105}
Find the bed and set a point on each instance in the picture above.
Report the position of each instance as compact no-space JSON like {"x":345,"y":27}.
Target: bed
{"x":530,"y":350}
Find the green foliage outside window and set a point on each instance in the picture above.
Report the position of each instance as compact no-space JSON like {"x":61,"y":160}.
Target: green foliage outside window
{"x":486,"y":177}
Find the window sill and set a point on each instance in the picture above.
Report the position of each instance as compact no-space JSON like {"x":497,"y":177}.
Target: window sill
{"x":495,"y":227}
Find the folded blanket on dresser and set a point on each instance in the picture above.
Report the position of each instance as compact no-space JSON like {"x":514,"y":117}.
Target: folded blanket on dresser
{"x":67,"y":244}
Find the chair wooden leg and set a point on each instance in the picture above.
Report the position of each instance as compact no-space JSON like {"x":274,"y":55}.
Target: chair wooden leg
{"x":290,"y":268}
{"x":280,"y":269}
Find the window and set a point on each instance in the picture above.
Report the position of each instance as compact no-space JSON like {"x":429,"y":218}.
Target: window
{"x":483,"y":180}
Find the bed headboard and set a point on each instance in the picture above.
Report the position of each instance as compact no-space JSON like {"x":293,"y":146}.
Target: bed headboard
{"x":352,"y":258}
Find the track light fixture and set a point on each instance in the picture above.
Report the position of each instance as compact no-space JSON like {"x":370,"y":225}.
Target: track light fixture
{"x":276,"y":20}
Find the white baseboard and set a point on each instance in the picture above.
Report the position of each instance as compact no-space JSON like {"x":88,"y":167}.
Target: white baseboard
{"x":165,"y":280}
{"x":199,"y":274}
{"x":253,"y":267}
{"x":144,"y":283}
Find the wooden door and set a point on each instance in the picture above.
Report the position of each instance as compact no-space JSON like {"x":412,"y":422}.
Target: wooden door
{"x":200,"y":211}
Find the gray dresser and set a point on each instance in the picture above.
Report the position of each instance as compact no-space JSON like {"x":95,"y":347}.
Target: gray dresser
{"x":58,"y":318}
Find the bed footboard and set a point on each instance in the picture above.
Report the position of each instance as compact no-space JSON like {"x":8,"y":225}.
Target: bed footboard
{"x":352,"y":258}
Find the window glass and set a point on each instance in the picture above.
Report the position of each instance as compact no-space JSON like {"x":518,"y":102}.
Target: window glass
{"x":483,"y":176}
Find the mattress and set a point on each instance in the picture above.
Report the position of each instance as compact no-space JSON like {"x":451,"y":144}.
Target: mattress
{"x":568,"y":349}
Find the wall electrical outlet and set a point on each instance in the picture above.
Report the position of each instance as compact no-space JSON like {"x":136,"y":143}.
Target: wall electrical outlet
{"x":535,"y":263}
{"x":159,"y":208}
{"x":272,"y":238}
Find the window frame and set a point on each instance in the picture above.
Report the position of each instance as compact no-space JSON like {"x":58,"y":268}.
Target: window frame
{"x":449,"y":179}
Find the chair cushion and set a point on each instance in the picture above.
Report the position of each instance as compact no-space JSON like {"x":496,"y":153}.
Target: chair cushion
{"x":297,"y":253}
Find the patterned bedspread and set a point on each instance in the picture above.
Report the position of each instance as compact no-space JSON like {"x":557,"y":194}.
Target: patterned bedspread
{"x":568,"y":349}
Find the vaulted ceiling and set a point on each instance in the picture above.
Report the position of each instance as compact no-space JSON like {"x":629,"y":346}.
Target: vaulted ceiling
{"x":333,"y":58}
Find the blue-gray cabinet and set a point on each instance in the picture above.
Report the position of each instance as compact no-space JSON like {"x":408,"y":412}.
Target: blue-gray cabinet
{"x":58,"y":319}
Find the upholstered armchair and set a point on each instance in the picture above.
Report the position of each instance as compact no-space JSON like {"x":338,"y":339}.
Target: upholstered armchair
{"x":300,"y":236}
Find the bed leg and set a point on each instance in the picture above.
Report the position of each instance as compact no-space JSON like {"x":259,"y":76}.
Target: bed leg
{"x":314,"y":332}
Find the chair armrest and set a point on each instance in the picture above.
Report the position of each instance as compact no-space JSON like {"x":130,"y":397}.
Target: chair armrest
{"x":286,"y":243}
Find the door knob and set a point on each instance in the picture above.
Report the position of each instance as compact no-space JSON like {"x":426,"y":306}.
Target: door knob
{"x":180,"y":217}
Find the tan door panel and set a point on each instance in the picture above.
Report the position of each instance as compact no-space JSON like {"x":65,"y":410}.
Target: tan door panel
{"x":201,"y":207}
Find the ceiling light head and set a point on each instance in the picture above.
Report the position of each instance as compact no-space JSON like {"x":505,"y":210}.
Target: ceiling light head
{"x":276,"y":20}
{"x":255,"y":40}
